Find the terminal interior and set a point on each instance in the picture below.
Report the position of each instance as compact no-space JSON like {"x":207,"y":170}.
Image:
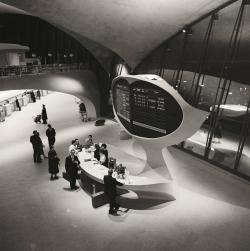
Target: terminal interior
{"x":71,"y":55}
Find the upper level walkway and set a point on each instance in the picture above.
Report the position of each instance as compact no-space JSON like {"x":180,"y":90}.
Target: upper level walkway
{"x":25,"y":70}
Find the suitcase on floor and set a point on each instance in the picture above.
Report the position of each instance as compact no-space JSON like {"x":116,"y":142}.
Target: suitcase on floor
{"x":66,"y":176}
{"x":38,"y":118}
{"x":99,"y":199}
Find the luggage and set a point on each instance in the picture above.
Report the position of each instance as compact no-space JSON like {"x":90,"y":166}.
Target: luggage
{"x":66,"y":176}
{"x":100,"y":122}
{"x":99,"y":199}
{"x":37,"y":118}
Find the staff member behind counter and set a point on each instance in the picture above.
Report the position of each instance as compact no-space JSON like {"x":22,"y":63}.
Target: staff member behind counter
{"x":71,"y":166}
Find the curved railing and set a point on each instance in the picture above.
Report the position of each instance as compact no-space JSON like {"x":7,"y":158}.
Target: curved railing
{"x":19,"y":71}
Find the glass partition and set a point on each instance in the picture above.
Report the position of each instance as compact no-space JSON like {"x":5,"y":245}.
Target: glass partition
{"x":208,"y":63}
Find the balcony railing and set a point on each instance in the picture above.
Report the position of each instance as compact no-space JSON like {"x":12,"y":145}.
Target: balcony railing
{"x":20,"y":71}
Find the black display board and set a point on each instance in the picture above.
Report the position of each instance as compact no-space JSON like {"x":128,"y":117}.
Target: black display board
{"x":146,"y":110}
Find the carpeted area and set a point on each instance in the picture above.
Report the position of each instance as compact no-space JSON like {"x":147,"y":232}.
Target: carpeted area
{"x":211,"y":212}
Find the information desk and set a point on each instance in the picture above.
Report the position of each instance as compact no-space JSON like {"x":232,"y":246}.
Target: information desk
{"x":25,"y":100}
{"x":96,"y":172}
{"x":7,"y":108}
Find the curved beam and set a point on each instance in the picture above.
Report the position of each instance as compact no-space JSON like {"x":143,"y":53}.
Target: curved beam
{"x":131,"y":29}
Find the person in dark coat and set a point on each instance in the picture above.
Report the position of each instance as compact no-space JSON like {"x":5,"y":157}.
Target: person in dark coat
{"x":53,"y":163}
{"x":38,"y":94}
{"x":82,"y":107}
{"x":71,"y":167}
{"x":41,"y":146}
{"x":51,"y":135}
{"x":35,"y":140}
{"x":44,"y":115}
{"x":97,"y":152}
{"x":33,"y":97}
{"x":18,"y":105}
{"x":110,"y":191}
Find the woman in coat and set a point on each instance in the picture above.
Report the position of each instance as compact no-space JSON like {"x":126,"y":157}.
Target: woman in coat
{"x":53,"y":163}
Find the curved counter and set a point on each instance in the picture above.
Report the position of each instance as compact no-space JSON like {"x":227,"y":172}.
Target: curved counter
{"x":95,"y":171}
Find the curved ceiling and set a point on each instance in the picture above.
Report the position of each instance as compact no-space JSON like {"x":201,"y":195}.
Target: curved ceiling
{"x":4,"y":8}
{"x":131,"y":29}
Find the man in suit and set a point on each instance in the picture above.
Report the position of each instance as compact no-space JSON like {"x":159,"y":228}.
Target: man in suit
{"x":35,"y":140}
{"x":110,"y":191}
{"x":51,"y":135}
{"x":71,"y":167}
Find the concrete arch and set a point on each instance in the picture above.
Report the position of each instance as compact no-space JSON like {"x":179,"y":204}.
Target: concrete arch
{"x":82,"y":84}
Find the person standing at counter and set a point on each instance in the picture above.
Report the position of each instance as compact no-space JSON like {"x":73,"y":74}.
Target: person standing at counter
{"x":18,"y":105}
{"x":110,"y":191}
{"x":44,"y":115}
{"x":51,"y":135}
{"x":53,"y":163}
{"x":71,"y":167}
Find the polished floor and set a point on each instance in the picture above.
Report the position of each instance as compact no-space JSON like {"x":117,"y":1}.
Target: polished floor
{"x":211,"y":212}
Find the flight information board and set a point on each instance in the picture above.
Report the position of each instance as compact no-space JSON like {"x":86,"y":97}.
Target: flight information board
{"x":145,"y":109}
{"x":123,"y":101}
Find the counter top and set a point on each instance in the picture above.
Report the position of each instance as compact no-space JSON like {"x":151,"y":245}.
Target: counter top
{"x":96,"y":171}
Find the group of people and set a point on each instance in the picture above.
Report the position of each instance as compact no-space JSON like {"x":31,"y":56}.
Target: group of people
{"x":37,"y":144}
{"x":72,"y":163}
{"x":33,"y":96}
{"x":101,"y":154}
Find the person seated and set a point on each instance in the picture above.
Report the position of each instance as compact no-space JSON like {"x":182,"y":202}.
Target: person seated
{"x":97,"y":152}
{"x":77,"y":145}
{"x":103,"y":158}
{"x":89,"y":141}
{"x":104,"y":147}
{"x":73,"y":146}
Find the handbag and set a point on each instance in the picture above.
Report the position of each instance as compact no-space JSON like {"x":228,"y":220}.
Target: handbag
{"x":66,"y":176}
